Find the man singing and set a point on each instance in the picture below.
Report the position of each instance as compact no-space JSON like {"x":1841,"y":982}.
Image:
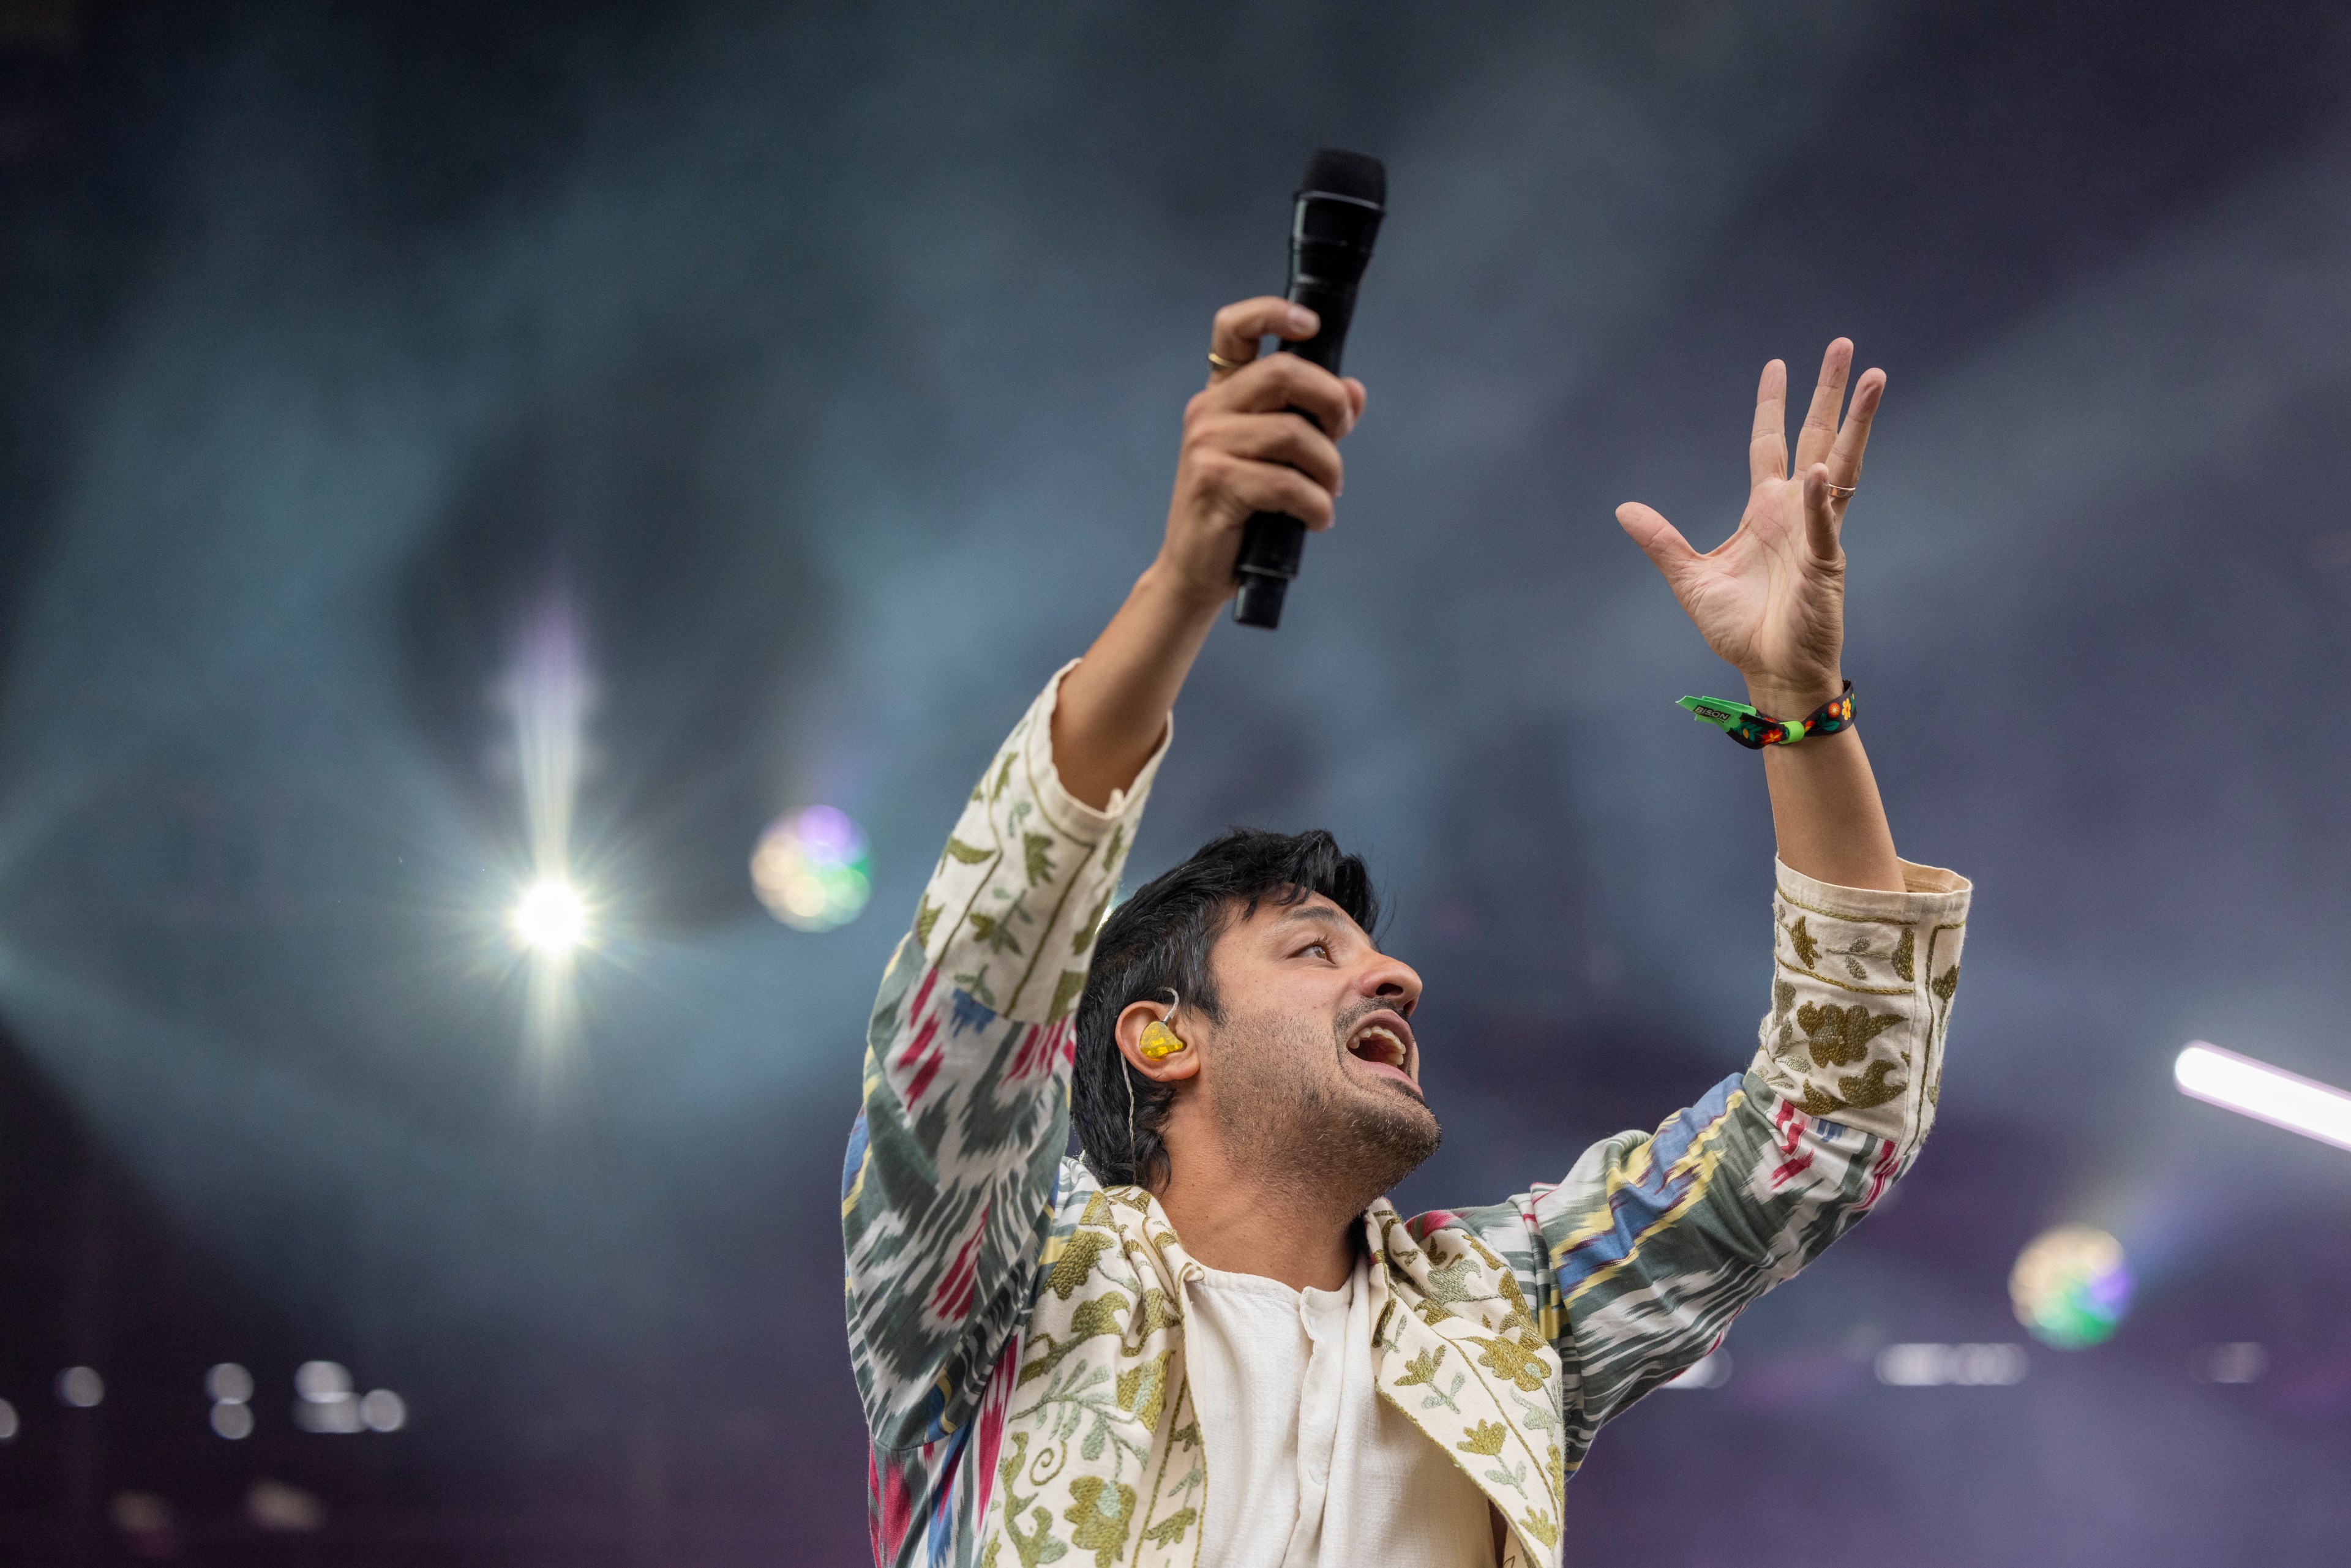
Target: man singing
{"x":1213,"y":1342}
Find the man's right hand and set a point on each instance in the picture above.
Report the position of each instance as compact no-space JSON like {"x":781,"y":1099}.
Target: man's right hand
{"x":1246,"y":449}
{"x":1260,"y":438}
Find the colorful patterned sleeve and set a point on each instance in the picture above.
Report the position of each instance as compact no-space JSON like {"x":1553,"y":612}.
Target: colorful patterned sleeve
{"x":948,"y":1186}
{"x":1636,"y":1262}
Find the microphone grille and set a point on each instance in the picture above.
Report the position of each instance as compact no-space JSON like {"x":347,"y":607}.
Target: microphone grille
{"x":1344,"y":174}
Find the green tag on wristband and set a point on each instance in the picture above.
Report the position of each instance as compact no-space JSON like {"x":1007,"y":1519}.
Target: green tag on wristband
{"x":1756,"y":730}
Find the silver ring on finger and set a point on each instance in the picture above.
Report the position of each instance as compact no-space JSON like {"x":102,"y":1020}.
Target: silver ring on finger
{"x":1842,"y":492}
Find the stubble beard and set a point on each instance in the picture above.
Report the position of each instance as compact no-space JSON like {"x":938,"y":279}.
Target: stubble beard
{"x":1298,"y":1132}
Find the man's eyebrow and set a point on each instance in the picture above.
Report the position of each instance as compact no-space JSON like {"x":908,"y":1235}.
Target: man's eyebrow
{"x":1323,"y":914}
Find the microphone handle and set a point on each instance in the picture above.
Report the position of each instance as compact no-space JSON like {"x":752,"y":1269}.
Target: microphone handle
{"x":1272,"y":543}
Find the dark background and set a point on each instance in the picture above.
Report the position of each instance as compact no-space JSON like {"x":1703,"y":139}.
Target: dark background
{"x":827,"y":362}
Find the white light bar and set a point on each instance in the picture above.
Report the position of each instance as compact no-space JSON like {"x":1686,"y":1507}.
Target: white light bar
{"x":2265,"y":1093}
{"x":1969,"y":1365}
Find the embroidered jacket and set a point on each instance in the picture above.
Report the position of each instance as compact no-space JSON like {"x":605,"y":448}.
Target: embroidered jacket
{"x":1016,"y":1328}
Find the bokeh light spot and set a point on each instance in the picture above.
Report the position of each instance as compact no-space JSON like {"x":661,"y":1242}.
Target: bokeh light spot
{"x":2239,"y":1361}
{"x":81,"y":1387}
{"x":383,"y":1411}
{"x":2072,"y":1286}
{"x":812,"y":871}
{"x":229,"y":1383}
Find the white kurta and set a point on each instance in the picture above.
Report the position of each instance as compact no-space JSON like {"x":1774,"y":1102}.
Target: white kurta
{"x":1309,"y":1466}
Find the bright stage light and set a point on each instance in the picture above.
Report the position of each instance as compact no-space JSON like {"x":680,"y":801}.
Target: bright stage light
{"x":812,"y":871}
{"x":2265,"y":1093}
{"x":2072,"y":1286}
{"x":551,"y":917}
{"x":551,"y":694}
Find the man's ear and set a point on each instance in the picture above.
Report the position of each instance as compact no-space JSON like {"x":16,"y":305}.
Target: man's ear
{"x":1135,"y":1032}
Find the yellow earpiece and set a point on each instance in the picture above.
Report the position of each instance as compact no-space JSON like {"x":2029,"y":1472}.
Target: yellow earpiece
{"x":1159,"y":1042}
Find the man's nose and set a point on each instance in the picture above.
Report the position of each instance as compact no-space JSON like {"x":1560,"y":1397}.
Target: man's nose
{"x":1392,"y":981}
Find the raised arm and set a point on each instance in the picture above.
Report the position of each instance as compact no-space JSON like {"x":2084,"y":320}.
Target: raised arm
{"x":1771,"y":601}
{"x":948,"y":1186}
{"x":1634,"y":1265}
{"x":1245,"y":450}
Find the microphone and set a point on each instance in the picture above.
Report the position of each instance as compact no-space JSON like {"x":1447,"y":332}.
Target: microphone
{"x":1340,"y":205}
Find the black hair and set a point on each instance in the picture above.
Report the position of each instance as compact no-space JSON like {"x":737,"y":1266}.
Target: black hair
{"x":1156,"y":945}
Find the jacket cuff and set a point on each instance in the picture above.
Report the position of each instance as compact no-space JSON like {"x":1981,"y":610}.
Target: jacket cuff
{"x":1862,"y":985}
{"x":1060,"y":807}
{"x":1930,"y":893}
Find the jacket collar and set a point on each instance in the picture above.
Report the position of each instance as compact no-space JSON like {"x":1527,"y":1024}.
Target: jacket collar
{"x":1455,"y":1349}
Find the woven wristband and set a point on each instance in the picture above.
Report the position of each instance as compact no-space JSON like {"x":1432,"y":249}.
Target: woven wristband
{"x":1756,"y":730}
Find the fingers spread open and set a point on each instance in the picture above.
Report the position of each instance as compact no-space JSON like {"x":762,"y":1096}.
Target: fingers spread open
{"x":1814,"y":441}
{"x":1284,"y":381}
{"x":1239,"y":327}
{"x":1767,"y":448}
{"x":1254,"y":486}
{"x":1659,"y":540}
{"x":1281,"y":438}
{"x":1853,"y":441}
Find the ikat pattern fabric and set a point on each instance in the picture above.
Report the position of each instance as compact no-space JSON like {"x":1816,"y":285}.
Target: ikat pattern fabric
{"x":1017,"y":1329}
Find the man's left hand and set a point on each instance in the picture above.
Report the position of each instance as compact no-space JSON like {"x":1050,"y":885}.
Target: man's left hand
{"x":1771,"y":597}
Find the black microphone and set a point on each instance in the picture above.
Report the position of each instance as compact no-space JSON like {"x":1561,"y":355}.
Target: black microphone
{"x":1330,"y":233}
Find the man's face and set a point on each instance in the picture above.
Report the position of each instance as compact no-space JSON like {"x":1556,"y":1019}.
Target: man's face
{"x":1314,"y":1072}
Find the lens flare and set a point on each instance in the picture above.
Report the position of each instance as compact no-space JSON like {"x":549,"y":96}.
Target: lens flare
{"x":2072,"y":1286}
{"x":811,"y":869}
{"x":549,"y":694}
{"x":551,"y":917}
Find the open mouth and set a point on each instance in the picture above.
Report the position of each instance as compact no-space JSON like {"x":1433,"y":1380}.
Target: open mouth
{"x":1383,"y":1042}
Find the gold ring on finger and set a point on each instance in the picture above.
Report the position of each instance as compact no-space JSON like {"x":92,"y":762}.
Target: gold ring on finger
{"x":1842,"y":492}
{"x":1216,"y":362}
